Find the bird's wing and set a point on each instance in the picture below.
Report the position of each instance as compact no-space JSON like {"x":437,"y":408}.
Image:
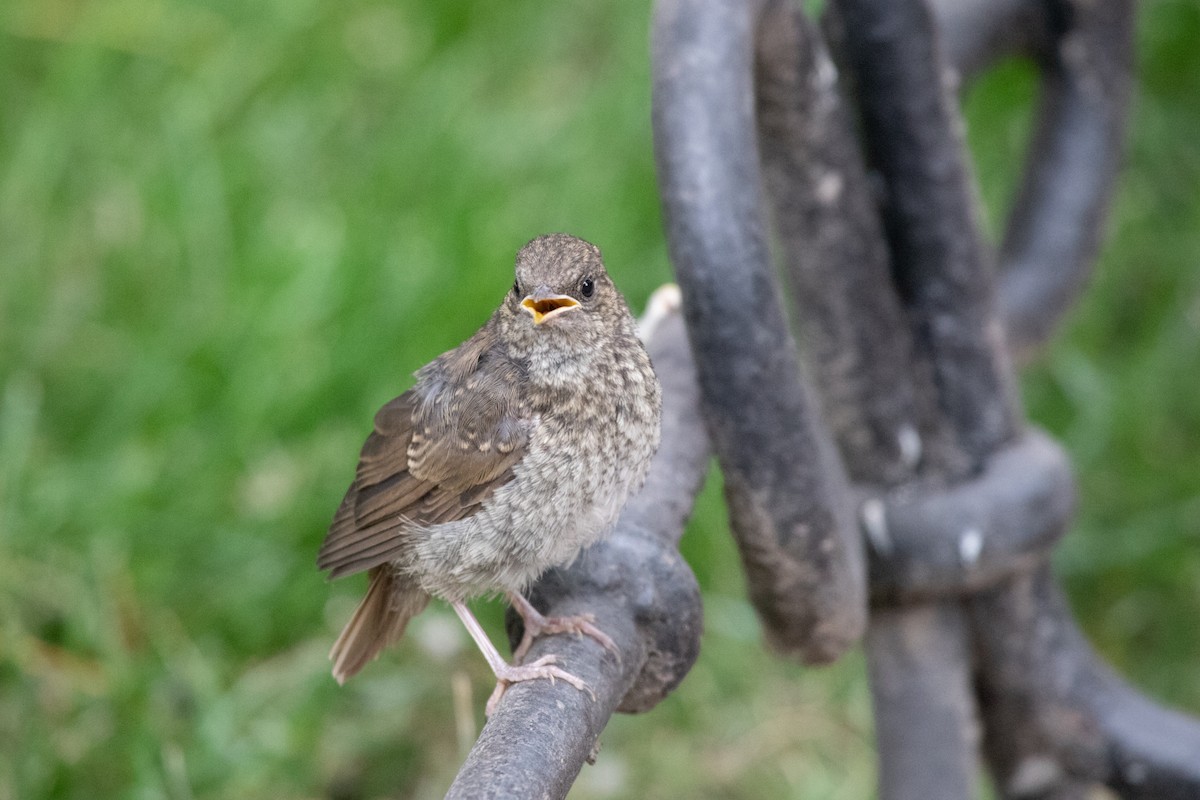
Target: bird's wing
{"x":437,"y":453}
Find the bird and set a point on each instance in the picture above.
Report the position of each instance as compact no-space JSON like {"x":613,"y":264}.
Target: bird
{"x":510,"y":454}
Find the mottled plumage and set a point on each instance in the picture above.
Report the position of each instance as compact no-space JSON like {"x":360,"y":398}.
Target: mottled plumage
{"x":511,"y":453}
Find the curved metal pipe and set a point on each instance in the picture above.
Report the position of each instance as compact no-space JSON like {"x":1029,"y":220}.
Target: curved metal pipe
{"x":785,"y":485}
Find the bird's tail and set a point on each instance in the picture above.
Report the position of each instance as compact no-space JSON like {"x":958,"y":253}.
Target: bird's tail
{"x":379,"y":620}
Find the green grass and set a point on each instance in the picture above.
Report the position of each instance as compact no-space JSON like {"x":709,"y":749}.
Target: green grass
{"x":229,"y":232}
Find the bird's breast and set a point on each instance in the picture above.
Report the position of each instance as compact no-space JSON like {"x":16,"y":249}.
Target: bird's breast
{"x":589,"y":447}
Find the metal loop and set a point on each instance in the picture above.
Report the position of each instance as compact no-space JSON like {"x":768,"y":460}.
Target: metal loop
{"x":1054,"y":228}
{"x":785,"y":485}
{"x":957,"y":540}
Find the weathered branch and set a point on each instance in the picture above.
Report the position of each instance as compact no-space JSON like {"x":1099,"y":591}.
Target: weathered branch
{"x":837,"y":262}
{"x":941,"y":266}
{"x":955,"y":540}
{"x":1065,"y":716}
{"x":879,"y":394}
{"x":1057,"y":220}
{"x":641,"y":593}
{"x":785,"y":486}
{"x":919,"y":661}
{"x":1055,"y":225}
{"x":1056,"y":720}
{"x":940,"y":262}
{"x":975,"y":34}
{"x":919,"y":656}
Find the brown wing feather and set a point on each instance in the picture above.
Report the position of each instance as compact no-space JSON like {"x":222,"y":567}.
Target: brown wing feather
{"x":437,"y":453}
{"x":379,"y":620}
{"x":380,"y":457}
{"x":391,"y":496}
{"x":469,"y":426}
{"x":365,"y":548}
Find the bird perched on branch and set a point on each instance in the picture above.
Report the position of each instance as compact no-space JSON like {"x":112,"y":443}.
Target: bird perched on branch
{"x":511,"y":453}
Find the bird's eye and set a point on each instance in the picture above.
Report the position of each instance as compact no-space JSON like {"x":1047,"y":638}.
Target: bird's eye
{"x":587,"y":287}
{"x":517,"y":288}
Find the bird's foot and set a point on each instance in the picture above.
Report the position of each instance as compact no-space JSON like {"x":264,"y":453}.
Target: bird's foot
{"x":537,"y":624}
{"x":541,"y":669}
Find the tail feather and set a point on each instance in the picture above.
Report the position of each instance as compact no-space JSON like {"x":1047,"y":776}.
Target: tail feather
{"x":379,"y":621}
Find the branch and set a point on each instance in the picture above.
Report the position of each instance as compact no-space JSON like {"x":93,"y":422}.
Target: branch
{"x":641,"y":593}
{"x":919,"y":656}
{"x":785,"y":485}
{"x":976,"y":34}
{"x":879,"y":394}
{"x":1056,"y":223}
{"x":837,"y":262}
{"x":959,"y":539}
{"x":941,"y":264}
{"x":1057,"y":220}
{"x":1065,"y":715}
{"x":1055,"y":718}
{"x":919,"y":661}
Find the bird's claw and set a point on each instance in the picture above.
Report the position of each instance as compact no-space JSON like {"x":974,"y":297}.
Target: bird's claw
{"x":543,"y":668}
{"x":538,"y":625}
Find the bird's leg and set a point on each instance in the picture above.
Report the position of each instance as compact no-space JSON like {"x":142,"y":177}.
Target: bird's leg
{"x":506,"y":673}
{"x":536,"y":624}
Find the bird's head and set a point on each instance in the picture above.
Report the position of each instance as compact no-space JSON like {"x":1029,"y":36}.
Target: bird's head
{"x":562,"y":288}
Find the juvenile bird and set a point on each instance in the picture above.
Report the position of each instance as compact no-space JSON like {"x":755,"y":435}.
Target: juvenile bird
{"x":511,"y":453}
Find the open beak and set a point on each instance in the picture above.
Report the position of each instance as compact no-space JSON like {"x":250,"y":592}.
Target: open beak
{"x":544,"y":307}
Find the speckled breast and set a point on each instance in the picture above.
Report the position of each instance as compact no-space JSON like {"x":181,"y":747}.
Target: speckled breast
{"x":589,"y":449}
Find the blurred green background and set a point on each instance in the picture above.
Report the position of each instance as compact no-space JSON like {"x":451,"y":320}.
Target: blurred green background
{"x":230,"y":231}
